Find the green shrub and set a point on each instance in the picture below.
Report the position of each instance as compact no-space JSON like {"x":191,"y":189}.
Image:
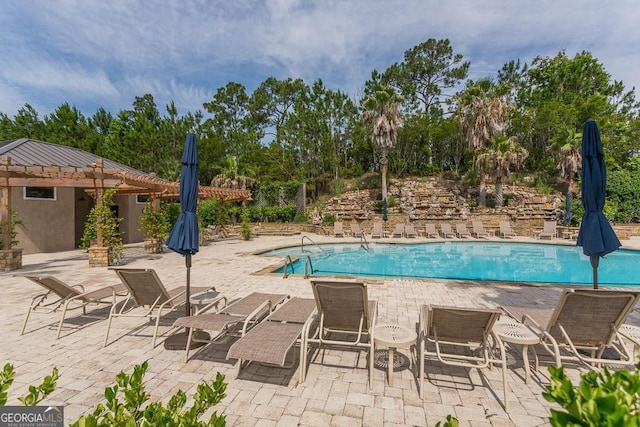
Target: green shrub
{"x":102,"y":217}
{"x":13,"y":222}
{"x":338,"y":187}
{"x":153,"y":223}
{"x":602,"y":398}
{"x":134,"y":409}
{"x":35,"y":395}
{"x":209,"y":212}
{"x":172,"y":212}
{"x":329,"y":219}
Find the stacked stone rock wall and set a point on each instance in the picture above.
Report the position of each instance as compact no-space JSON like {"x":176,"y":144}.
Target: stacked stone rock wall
{"x":434,"y":200}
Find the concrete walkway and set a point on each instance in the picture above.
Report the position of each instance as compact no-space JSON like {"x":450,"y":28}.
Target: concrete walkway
{"x":335,"y":392}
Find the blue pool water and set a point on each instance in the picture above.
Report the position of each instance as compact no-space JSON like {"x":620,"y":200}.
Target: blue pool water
{"x":493,"y":261}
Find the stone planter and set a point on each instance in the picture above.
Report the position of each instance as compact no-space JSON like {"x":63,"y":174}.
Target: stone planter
{"x":10,"y":259}
{"x":98,"y":256}
{"x":154,"y":246}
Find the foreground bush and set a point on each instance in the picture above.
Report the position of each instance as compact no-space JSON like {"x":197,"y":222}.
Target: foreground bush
{"x":134,"y":409}
{"x":602,"y":398}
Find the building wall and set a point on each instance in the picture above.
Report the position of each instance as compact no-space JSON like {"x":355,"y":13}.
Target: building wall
{"x":130,"y":211}
{"x":58,"y":225}
{"x":48,"y":225}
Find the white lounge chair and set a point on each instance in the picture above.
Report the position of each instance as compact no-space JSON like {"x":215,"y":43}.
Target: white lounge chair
{"x":346,"y":316}
{"x":461,"y":337}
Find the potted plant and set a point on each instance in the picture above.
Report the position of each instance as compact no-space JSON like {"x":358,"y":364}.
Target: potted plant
{"x":102,"y":218}
{"x":154,"y":225}
{"x":245,"y":229}
{"x":11,"y":257}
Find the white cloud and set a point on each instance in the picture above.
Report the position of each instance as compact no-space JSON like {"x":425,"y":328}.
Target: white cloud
{"x":106,"y":53}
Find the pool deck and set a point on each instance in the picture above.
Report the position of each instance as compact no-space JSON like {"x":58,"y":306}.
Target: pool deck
{"x":335,"y":391}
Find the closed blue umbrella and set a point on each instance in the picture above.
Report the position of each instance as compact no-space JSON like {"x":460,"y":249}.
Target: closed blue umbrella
{"x":184,"y":235}
{"x":567,"y":209}
{"x":596,"y":236}
{"x":385,"y":215}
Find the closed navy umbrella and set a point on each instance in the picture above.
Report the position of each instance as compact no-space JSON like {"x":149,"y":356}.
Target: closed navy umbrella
{"x":184,"y":235}
{"x":596,"y":236}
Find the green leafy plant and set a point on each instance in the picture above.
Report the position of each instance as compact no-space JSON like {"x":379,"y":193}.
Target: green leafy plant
{"x":450,"y":422}
{"x":14,"y":221}
{"x":35,"y":395}
{"x":153,"y":223}
{"x":135,"y":410}
{"x":602,"y":398}
{"x":245,"y":230}
{"x":102,"y":218}
{"x":329,"y":219}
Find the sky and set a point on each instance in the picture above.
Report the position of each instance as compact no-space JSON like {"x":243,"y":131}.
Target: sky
{"x":93,"y":54}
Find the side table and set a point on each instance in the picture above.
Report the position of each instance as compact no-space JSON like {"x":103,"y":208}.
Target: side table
{"x":207,"y":299}
{"x":393,"y":336}
{"x":514,"y":332}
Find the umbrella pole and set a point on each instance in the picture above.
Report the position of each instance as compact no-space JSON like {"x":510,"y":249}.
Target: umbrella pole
{"x":595,"y":262}
{"x":187,"y":261}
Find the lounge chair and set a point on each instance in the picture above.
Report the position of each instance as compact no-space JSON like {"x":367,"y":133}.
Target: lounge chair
{"x":548,"y":231}
{"x":505,"y":230}
{"x":461,"y":338}
{"x":356,"y":231}
{"x":271,"y":340}
{"x":398,"y":231}
{"x":149,"y":296}
{"x":376,"y":231}
{"x":347,"y":317}
{"x":478,"y":230}
{"x":446,"y":230}
{"x":233,"y":320}
{"x":584,"y":323}
{"x":410,"y":231}
{"x":430,"y":230}
{"x":338,"y":231}
{"x":60,"y":294}
{"x":461,"y":230}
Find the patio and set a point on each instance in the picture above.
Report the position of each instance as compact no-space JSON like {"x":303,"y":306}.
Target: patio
{"x":335,"y":391}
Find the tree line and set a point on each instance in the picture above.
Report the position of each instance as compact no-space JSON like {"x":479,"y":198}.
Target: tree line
{"x":406,"y":121}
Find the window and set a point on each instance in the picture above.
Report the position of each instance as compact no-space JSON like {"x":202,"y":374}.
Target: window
{"x":142,"y":199}
{"x":40,"y":193}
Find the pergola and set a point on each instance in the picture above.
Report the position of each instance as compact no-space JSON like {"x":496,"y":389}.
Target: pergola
{"x":95,"y":178}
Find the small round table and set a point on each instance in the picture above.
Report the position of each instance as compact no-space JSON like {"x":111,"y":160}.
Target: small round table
{"x":206,"y":299}
{"x":514,"y":332}
{"x":393,"y":336}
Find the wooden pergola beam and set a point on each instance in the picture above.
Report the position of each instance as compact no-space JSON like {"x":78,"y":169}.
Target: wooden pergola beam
{"x":97,"y":178}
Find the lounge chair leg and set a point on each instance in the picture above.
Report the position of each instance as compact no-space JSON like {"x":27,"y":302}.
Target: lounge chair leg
{"x":26,"y":319}
{"x":64,"y":312}
{"x":155,"y":331}
{"x":421,"y":369}
{"x":106,"y":335}
{"x":188,"y":346}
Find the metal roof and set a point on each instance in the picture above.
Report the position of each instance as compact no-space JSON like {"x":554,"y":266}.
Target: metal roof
{"x":30,"y":159}
{"x":31,"y":152}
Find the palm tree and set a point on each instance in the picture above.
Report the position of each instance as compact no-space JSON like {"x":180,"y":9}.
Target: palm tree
{"x":483,"y":114}
{"x":571,"y":159}
{"x":499,"y":157}
{"x":381,"y":110}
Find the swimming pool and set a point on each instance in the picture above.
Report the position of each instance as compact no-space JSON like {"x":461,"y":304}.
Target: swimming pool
{"x":491,"y":261}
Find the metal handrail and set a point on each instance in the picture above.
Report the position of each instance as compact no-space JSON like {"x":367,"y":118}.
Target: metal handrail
{"x":363,"y":242}
{"x":308,"y":263}
{"x":312,"y":242}
{"x":288,"y":262}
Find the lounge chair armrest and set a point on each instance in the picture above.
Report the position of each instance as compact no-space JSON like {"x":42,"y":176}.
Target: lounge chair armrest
{"x":255,"y":314}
